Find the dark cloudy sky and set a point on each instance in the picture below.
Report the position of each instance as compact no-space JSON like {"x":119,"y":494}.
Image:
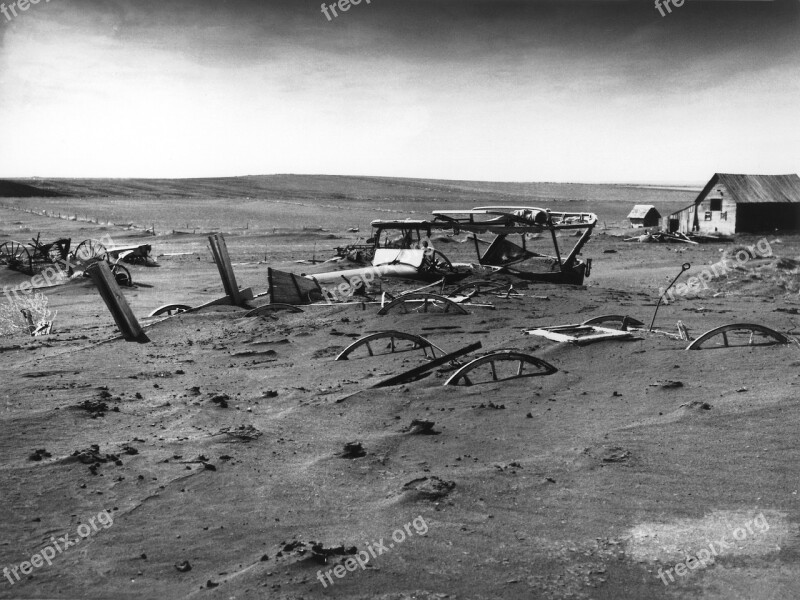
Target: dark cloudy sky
{"x":458,"y":89}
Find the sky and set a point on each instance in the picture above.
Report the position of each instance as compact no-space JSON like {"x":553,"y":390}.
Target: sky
{"x":497,"y":90}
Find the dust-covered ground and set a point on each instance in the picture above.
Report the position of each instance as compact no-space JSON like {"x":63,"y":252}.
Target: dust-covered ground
{"x":218,"y":448}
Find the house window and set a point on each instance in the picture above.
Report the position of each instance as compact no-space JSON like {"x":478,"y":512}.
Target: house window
{"x":716,"y":203}
{"x":708,"y":215}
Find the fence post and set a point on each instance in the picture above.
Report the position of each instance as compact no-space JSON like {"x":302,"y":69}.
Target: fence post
{"x":120,"y":309}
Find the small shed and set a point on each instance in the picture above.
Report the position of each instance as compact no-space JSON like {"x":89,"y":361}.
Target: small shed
{"x":644,"y":215}
{"x":732,"y":203}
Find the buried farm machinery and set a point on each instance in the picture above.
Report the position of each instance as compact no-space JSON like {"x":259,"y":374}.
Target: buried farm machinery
{"x":36,"y":257}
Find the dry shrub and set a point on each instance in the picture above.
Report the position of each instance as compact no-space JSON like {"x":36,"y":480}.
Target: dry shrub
{"x":13,"y":322}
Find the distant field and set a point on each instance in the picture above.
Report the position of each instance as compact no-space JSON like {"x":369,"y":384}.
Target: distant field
{"x":335,"y":203}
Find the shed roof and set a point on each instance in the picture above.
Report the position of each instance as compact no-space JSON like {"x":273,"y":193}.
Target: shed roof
{"x":640,"y":211}
{"x":756,"y":188}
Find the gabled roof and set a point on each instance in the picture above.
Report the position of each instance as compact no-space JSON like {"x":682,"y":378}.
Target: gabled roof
{"x":756,"y":188}
{"x":640,"y":211}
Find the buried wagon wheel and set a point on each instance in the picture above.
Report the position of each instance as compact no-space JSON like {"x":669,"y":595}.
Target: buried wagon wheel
{"x":423,"y":302}
{"x":438,"y":261}
{"x":16,"y":256}
{"x":542,"y":367}
{"x":740,"y":334}
{"x":413,"y":342}
{"x":122,"y":275}
{"x":170,"y":309}
{"x":91,"y":251}
{"x":624,"y":320}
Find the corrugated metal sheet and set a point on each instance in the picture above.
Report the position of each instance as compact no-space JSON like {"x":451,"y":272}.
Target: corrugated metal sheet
{"x":757,"y":188}
{"x":640,"y":211}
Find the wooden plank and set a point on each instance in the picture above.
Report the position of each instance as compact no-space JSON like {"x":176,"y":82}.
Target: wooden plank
{"x":413,"y":373}
{"x":220,"y":251}
{"x":115,"y":301}
{"x":551,"y":335}
{"x":600,"y":333}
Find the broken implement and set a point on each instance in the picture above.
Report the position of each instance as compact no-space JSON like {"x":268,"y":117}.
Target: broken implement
{"x":502,"y":221}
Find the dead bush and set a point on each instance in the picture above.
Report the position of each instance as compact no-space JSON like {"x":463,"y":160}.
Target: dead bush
{"x":12,"y":315}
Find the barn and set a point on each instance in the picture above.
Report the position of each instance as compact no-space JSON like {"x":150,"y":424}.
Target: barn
{"x":644,"y":215}
{"x":732,"y":204}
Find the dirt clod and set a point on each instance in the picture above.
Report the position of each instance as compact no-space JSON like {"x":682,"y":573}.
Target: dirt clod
{"x":429,"y":488}
{"x":39,"y":454}
{"x":183,"y":567}
{"x":353,"y":450}
{"x":697,"y":405}
{"x":421,"y":427}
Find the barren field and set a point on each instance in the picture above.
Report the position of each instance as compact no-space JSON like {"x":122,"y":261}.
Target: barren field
{"x":218,"y":448}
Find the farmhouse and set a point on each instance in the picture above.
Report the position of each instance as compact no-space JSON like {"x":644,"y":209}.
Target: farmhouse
{"x":644,"y":215}
{"x":741,"y":203}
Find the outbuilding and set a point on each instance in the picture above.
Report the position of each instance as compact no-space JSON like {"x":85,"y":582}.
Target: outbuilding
{"x":732,"y":204}
{"x":644,"y":215}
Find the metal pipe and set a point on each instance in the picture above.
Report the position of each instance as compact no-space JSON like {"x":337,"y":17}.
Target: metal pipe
{"x":684,"y":267}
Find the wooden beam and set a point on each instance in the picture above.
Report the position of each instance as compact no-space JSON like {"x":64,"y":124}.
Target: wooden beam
{"x":115,"y":301}
{"x":414,"y":373}
{"x":223,"y":260}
